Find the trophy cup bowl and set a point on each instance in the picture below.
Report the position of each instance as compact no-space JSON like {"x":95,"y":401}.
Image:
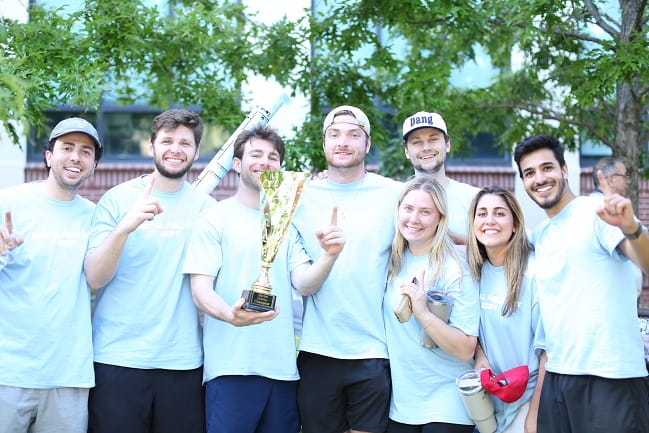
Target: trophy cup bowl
{"x":278,"y":200}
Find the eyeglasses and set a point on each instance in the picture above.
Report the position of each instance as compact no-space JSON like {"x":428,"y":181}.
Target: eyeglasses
{"x":627,"y":176}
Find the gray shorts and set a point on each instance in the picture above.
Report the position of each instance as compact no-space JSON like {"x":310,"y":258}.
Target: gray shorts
{"x":52,"y":410}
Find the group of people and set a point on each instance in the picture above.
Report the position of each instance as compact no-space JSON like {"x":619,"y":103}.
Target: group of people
{"x":560,"y":301}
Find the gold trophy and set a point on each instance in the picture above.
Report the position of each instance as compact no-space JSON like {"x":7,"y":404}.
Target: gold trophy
{"x":281,"y":192}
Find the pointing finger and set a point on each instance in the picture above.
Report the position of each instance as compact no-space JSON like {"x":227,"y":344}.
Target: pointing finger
{"x":149,"y":187}
{"x":334,"y":216}
{"x":603,"y":184}
{"x":8,"y":222}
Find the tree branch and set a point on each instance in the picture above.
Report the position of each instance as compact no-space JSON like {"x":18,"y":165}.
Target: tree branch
{"x":608,"y":107}
{"x":599,"y":20}
{"x":574,"y":35}
{"x":546,"y":113}
{"x":643,"y":91}
{"x":643,"y":138}
{"x":645,"y":108}
{"x":606,"y":116}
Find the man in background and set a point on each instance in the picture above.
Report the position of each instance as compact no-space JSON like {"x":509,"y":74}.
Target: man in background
{"x":615,"y":175}
{"x":426,"y":144}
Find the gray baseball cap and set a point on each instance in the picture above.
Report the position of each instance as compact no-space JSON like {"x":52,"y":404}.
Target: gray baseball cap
{"x":75,"y":124}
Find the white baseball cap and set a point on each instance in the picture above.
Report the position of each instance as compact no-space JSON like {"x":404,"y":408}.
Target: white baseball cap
{"x":361,"y":119}
{"x":423,"y":119}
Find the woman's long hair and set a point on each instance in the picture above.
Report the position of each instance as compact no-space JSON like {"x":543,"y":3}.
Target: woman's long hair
{"x":517,"y":250}
{"x":441,"y":245}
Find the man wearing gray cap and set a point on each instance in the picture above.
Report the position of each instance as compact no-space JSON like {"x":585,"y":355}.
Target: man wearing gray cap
{"x":426,"y":143}
{"x":345,"y":374}
{"x":45,"y":333}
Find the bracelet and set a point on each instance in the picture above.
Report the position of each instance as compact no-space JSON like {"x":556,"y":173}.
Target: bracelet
{"x":635,"y":235}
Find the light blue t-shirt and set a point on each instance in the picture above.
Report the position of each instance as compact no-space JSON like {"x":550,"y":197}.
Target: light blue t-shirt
{"x":509,"y":341}
{"x":587,"y":295}
{"x":226,"y":243}
{"x":45,"y":338}
{"x":458,"y":197}
{"x":145,"y":316}
{"x":423,"y":380}
{"x":343,"y":319}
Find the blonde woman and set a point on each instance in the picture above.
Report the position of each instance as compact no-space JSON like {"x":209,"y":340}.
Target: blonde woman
{"x":424,"y":397}
{"x":502,"y":262}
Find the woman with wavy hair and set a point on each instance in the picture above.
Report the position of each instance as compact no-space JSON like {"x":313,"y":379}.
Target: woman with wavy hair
{"x":501,"y":259}
{"x":427,"y":352}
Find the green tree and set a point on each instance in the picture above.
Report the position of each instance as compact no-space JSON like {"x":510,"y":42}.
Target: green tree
{"x":199,"y":55}
{"x":583,"y":72}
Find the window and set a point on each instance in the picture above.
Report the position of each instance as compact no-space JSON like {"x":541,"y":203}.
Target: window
{"x":124,"y":132}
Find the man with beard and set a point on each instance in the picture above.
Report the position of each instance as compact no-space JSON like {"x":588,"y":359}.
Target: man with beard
{"x":343,"y":365}
{"x":250,"y":371}
{"x":596,"y":379}
{"x":45,"y":339}
{"x":426,"y":143}
{"x":146,"y":331}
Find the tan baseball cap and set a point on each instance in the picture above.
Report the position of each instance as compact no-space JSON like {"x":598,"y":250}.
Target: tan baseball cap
{"x":361,"y":119}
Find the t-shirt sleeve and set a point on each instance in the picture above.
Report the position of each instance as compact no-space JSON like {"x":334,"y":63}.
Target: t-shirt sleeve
{"x":204,"y":252}
{"x":297,"y":255}
{"x":104,"y":220}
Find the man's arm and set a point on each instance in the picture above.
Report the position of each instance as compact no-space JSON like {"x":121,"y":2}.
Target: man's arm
{"x":618,"y":211}
{"x":307,"y":279}
{"x":211,"y":303}
{"x":101,"y":264}
{"x":638,"y":249}
{"x":457,"y":238}
{"x":532,"y":414}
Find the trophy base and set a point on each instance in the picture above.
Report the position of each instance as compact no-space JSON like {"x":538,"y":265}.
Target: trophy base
{"x":258,"y":302}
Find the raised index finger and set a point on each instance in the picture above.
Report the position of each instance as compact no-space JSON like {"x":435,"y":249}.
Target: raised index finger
{"x":334,"y":216}
{"x":603,"y":184}
{"x":149,"y":187}
{"x":8,"y":223}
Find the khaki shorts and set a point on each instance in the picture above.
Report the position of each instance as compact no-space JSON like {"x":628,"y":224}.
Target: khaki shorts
{"x":43,"y":410}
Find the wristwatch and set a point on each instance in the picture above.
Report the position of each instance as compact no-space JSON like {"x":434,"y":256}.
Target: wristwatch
{"x":635,"y":235}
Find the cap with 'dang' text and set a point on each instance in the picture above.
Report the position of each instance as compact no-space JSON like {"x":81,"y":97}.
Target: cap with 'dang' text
{"x":423,"y":119}
{"x":361,"y":119}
